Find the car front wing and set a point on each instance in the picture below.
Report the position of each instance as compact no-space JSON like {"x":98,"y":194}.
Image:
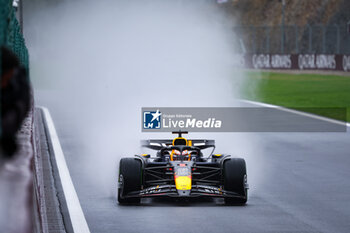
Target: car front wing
{"x":171,"y":191}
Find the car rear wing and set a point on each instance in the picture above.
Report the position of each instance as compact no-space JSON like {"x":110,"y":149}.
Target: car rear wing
{"x":157,"y":144}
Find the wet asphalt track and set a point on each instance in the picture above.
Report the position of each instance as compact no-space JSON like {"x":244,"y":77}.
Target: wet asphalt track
{"x":299,"y":183}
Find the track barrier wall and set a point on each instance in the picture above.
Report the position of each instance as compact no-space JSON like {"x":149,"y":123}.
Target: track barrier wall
{"x":327,"y":62}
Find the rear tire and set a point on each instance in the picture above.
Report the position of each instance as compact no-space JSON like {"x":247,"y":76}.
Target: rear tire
{"x":235,"y":178}
{"x":130,"y":179}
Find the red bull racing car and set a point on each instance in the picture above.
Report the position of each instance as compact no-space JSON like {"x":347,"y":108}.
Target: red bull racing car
{"x":180,"y":170}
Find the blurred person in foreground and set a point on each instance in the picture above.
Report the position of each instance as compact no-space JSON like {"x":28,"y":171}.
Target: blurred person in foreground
{"x":15,"y":100}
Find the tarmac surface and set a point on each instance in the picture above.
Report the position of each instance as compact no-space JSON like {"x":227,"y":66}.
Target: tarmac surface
{"x":299,"y":182}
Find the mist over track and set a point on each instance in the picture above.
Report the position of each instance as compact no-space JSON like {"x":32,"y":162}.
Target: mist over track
{"x":102,"y":62}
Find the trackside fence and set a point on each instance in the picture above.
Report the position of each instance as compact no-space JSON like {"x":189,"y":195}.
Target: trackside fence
{"x":308,"y":39}
{"x":11,"y":36}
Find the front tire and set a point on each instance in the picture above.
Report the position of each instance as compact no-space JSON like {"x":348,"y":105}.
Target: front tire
{"x":235,"y":179}
{"x":130,"y":179}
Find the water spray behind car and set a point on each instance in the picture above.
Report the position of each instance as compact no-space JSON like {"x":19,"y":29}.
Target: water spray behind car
{"x":106,"y":60}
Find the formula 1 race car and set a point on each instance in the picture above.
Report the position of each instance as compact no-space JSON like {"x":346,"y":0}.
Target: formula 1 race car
{"x":180,"y":170}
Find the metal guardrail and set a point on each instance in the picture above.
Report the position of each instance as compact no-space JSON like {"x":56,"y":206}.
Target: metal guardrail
{"x":293,"y":39}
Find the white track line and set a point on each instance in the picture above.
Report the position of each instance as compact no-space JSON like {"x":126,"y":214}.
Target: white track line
{"x":76,"y":214}
{"x":297,"y":112}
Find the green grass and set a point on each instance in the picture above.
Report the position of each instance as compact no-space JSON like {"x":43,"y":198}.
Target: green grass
{"x":326,"y":95}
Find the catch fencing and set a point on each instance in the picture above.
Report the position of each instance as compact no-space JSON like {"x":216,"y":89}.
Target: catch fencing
{"x":11,"y":36}
{"x":309,"y":39}
{"x":312,"y":47}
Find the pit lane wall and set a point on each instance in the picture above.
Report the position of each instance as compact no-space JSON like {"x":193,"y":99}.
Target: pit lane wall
{"x":327,"y":62}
